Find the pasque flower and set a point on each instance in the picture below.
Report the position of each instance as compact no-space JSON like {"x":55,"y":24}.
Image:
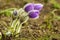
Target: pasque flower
{"x":33,"y":9}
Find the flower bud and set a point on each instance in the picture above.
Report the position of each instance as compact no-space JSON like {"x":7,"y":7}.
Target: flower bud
{"x":15,"y":12}
{"x":28,"y":7}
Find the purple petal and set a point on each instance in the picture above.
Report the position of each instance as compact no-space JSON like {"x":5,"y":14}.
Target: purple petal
{"x":34,"y":14}
{"x":28,"y":7}
{"x":38,"y":6}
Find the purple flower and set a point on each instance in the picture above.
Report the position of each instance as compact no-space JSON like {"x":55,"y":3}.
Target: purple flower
{"x":33,"y":9}
{"x":38,"y":6}
{"x":28,"y":7}
{"x":34,"y":14}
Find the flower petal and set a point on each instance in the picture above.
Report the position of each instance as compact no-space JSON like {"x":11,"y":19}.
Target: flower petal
{"x":34,"y":14}
{"x":28,"y":7}
{"x":38,"y":6}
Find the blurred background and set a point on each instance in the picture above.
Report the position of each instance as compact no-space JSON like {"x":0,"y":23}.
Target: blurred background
{"x":46,"y":27}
